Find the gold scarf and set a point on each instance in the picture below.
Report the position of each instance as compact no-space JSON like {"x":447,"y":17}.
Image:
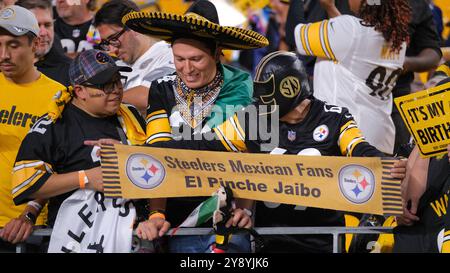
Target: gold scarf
{"x":130,"y":125}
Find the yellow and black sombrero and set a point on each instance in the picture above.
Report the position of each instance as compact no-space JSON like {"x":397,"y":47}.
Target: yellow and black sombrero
{"x":200,"y":21}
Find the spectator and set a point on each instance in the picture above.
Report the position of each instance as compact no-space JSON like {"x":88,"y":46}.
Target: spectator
{"x":349,"y":75}
{"x":24,"y":96}
{"x":424,"y":226}
{"x":302,"y":116}
{"x":201,"y":89}
{"x":150,"y":58}
{"x":73,"y":24}
{"x":422,"y":54}
{"x":54,"y":149}
{"x":51,"y":60}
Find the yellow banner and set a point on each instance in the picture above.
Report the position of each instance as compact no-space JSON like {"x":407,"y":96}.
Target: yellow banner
{"x":340,"y":183}
{"x":427,"y":116}
{"x":245,"y":5}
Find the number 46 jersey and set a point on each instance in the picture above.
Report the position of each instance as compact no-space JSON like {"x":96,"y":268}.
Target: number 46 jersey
{"x":355,"y":69}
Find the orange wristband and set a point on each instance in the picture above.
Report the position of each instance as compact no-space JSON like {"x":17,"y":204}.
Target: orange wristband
{"x":82,"y":179}
{"x":157,"y":215}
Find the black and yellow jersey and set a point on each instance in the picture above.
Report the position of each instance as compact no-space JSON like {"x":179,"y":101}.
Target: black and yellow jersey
{"x":326,"y":130}
{"x":443,"y":69}
{"x":58,"y":147}
{"x":432,"y":232}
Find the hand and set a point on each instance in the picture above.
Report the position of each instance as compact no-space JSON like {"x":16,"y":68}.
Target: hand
{"x":240,"y":219}
{"x":17,"y":230}
{"x":95,"y":178}
{"x":413,"y":187}
{"x":152,"y":229}
{"x":399,"y":169}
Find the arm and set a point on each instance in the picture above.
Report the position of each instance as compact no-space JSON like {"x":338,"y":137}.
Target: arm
{"x":58,"y":184}
{"x":413,"y":186}
{"x":20,"y":228}
{"x":33,"y":174}
{"x":427,"y":59}
{"x":156,"y":225}
{"x":330,"y":7}
{"x":328,"y":39}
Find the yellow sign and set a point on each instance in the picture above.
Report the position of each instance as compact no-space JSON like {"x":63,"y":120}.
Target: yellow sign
{"x":245,"y":5}
{"x":427,"y":116}
{"x":340,"y":183}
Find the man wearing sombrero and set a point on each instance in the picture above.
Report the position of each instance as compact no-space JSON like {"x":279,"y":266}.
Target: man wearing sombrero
{"x":201,"y":94}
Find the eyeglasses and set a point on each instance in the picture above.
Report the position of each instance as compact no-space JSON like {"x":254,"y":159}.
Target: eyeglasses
{"x":109,"y":87}
{"x":112,"y":40}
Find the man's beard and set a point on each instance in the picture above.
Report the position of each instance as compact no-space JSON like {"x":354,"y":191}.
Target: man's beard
{"x":40,"y":54}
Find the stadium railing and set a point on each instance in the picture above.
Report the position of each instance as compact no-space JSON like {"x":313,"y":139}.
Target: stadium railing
{"x":336,"y":232}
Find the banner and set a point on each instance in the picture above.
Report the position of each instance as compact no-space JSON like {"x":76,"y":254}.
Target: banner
{"x":245,"y":5}
{"x":341,"y":183}
{"x":87,"y":222}
{"x":427,"y":116}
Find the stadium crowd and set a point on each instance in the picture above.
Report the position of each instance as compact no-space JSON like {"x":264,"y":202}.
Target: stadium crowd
{"x":75,"y":75}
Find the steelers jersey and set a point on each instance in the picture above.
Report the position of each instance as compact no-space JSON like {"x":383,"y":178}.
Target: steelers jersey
{"x":20,"y":106}
{"x":432,"y":232}
{"x":326,"y":130}
{"x":355,"y":69}
{"x":58,"y":148}
{"x":443,"y":69}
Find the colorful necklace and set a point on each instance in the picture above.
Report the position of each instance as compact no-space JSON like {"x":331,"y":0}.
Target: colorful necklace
{"x":195,"y":104}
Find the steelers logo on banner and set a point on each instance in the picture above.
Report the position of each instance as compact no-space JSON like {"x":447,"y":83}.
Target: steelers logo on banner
{"x":144,"y":171}
{"x":356,"y":183}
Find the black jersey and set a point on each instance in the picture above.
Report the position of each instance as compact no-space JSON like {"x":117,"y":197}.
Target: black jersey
{"x":73,"y":38}
{"x":58,"y":148}
{"x":432,"y":230}
{"x":326,"y":130}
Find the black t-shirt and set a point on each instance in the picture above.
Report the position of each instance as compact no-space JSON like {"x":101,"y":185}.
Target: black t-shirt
{"x":60,"y":146}
{"x":73,"y":38}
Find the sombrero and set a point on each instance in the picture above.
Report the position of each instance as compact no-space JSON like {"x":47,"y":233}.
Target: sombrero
{"x":200,"y":21}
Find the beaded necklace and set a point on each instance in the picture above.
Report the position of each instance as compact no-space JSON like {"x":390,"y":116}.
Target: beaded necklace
{"x":195,"y":104}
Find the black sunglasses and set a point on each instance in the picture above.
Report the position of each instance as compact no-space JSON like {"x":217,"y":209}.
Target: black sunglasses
{"x":112,"y":40}
{"x":109,"y":87}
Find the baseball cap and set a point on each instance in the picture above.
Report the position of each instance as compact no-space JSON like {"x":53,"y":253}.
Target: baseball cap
{"x":18,"y":21}
{"x":94,"y":67}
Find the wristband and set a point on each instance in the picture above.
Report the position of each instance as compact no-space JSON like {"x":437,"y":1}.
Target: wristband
{"x":35,"y":205}
{"x":157,"y":214}
{"x":82,"y":179}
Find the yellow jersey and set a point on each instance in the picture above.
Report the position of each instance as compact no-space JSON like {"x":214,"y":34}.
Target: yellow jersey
{"x":20,"y":106}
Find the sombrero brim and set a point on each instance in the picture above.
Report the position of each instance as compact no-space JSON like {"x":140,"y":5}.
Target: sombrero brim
{"x":166,"y":26}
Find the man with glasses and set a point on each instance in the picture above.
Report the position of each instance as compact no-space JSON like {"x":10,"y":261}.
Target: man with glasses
{"x":150,"y":58}
{"x":53,"y":153}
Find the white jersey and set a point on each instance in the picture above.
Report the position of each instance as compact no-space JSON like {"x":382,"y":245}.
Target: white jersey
{"x":355,"y":69}
{"x":155,"y":63}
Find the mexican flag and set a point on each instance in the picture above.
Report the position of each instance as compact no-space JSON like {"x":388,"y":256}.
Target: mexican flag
{"x":201,"y":214}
